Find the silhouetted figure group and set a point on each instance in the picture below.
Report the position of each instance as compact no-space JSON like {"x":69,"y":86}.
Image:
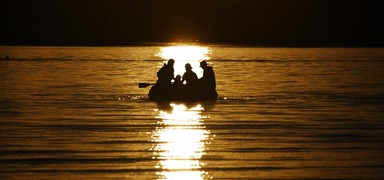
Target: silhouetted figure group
{"x":186,"y":87}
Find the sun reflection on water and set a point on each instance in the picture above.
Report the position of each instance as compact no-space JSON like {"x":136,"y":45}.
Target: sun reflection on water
{"x":185,"y":54}
{"x":180,"y":142}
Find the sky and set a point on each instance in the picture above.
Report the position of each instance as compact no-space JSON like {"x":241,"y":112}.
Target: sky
{"x":270,"y":22}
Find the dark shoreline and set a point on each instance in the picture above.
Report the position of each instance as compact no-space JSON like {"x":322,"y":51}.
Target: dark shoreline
{"x":289,"y":44}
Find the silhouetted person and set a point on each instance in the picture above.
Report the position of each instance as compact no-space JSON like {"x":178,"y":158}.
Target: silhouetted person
{"x":178,"y":88}
{"x":189,"y":76}
{"x":208,"y":81}
{"x":166,"y":73}
{"x":163,"y":89}
{"x":191,"y":88}
{"x":178,"y":82}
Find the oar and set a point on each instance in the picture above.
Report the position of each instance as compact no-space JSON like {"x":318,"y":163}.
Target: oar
{"x":144,"y":85}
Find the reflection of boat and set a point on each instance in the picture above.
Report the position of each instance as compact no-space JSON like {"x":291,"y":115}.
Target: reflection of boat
{"x":168,"y":107}
{"x":183,"y":93}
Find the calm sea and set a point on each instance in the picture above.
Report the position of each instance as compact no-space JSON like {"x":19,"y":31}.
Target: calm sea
{"x":283,"y":113}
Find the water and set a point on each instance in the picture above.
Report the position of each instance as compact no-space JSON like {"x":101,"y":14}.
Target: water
{"x":283,"y":113}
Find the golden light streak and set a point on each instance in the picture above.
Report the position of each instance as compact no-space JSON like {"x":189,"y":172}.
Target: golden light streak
{"x":180,"y":141}
{"x":185,"y":54}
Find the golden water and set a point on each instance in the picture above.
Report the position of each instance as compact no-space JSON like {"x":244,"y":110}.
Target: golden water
{"x":285,"y":113}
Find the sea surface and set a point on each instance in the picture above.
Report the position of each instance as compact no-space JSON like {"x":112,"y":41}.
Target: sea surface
{"x":282,"y":113}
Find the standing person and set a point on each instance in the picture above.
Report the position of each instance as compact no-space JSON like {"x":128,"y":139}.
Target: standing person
{"x":166,"y":73}
{"x":208,"y":81}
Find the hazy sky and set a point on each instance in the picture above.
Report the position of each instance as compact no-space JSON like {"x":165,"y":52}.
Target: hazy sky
{"x":250,"y":21}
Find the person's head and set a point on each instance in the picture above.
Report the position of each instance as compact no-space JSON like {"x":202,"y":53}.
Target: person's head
{"x":171,"y":62}
{"x":203,"y":64}
{"x":188,"y":67}
{"x":178,"y":78}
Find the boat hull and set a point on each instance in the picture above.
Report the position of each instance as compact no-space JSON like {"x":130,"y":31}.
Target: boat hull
{"x":182,"y":93}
